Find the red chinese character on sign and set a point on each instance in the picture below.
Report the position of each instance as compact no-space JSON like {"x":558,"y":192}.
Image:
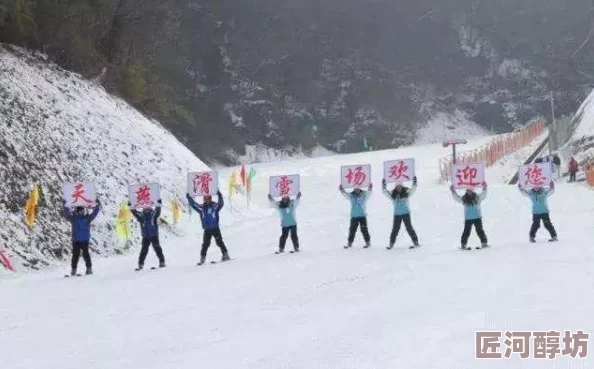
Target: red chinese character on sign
{"x":284,"y":185}
{"x":79,"y":194}
{"x":467,"y":176}
{"x":357,"y":176}
{"x":399,"y":171}
{"x":534,"y":176}
{"x":202,"y":183}
{"x":143,"y":195}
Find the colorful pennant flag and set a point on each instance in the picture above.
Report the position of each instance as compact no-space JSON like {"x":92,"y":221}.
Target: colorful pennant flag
{"x":31,"y":206}
{"x":176,"y":209}
{"x":123,"y":230}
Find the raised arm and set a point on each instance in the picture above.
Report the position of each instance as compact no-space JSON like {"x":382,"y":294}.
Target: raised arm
{"x":552,"y":189}
{"x":523,"y":191}
{"x":413,"y":188}
{"x":158,"y":209}
{"x":66,"y":213}
{"x":272,"y":202}
{"x":95,"y":212}
{"x":221,"y":202}
{"x":345,"y":194}
{"x":297,"y":200}
{"x":455,"y":195}
{"x":193,"y":204}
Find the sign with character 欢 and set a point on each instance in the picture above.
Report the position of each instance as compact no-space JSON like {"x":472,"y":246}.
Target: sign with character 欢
{"x":399,"y":171}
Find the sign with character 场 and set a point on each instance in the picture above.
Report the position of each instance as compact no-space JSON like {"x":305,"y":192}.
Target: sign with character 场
{"x":535,"y":175}
{"x":203,"y":183}
{"x":287,"y":185}
{"x":143,"y":195}
{"x":355,"y":176}
{"x":468,"y":176}
{"x":79,"y":194}
{"x":399,"y":171}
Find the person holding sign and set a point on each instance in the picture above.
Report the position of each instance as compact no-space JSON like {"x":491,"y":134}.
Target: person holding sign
{"x":286,"y":209}
{"x":358,"y":199}
{"x":472,"y":214}
{"x":399,"y":197}
{"x":209,"y":216}
{"x":80,"y":221}
{"x":149,"y":226}
{"x":540,"y":210}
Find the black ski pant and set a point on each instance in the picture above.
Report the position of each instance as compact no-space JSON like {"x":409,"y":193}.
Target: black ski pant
{"x":355,"y":222}
{"x":146,"y":242}
{"x":77,"y":248}
{"x":478,"y":227}
{"x":285,"y":234}
{"x":572,"y":176}
{"x":208,"y":235}
{"x":398,"y":220}
{"x":546,"y":220}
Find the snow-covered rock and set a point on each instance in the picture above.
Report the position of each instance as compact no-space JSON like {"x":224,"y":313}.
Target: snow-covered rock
{"x":57,"y":127}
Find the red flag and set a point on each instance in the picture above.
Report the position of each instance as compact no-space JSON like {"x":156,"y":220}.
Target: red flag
{"x":5,"y":261}
{"x":243,"y":175}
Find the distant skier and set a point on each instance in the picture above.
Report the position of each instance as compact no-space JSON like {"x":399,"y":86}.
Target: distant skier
{"x":399,"y":197}
{"x":209,"y":216}
{"x":472,"y":214}
{"x":358,"y":199}
{"x":80,"y":220}
{"x":149,"y":225}
{"x":286,"y":208}
{"x":573,"y":168}
{"x":540,"y":210}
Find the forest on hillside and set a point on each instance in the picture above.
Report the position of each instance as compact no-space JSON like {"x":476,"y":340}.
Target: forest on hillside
{"x":221,"y":74}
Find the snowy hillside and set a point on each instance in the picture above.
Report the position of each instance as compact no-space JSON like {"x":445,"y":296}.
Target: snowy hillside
{"x":581,"y":143}
{"x":326,"y":307}
{"x":57,"y":127}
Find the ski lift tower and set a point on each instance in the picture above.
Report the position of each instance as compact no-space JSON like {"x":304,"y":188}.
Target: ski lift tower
{"x":453,"y":143}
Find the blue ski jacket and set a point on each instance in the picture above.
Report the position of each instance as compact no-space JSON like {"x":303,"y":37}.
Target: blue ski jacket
{"x":287,"y":214}
{"x":209,"y":214}
{"x":400,"y":204}
{"x":471,"y":212}
{"x":358,"y":203}
{"x":149,"y":222}
{"x":539,"y":200}
{"x":81,"y":224}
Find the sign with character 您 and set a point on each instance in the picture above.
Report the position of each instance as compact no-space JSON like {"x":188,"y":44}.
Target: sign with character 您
{"x":79,"y":194}
{"x":355,"y":176}
{"x":535,"y":175}
{"x":287,"y":185}
{"x":468,"y":176}
{"x":143,"y":195}
{"x":399,"y":171}
{"x":203,"y":183}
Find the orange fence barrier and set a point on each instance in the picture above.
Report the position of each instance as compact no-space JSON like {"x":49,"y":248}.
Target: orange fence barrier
{"x":495,"y":150}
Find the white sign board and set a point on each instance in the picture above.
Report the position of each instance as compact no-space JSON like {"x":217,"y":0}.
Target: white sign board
{"x":535,"y":175}
{"x":79,"y":194}
{"x":203,"y":183}
{"x":398,"y":171}
{"x":355,"y":176}
{"x":468,"y":175}
{"x":288,"y":185}
{"x":144,"y":195}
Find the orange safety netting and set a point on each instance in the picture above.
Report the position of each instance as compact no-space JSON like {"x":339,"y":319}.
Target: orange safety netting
{"x":494,"y":150}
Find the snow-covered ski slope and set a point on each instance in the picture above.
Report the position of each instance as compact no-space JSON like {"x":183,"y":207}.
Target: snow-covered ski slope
{"x":326,"y":307}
